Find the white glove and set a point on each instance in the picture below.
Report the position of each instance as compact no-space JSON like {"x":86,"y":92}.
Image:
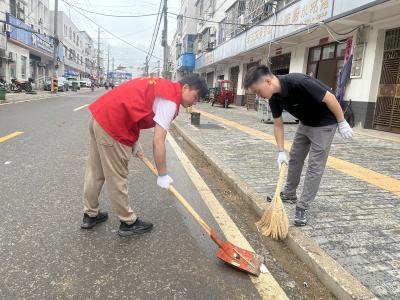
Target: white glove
{"x":345,"y":130}
{"x":164,"y":181}
{"x":137,"y":149}
{"x":282,"y":158}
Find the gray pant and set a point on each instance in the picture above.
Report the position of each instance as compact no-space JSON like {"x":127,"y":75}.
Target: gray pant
{"x":315,"y":141}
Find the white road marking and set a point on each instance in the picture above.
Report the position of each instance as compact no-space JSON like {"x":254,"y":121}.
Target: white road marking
{"x":266,"y":284}
{"x":80,"y":107}
{"x":7,"y":162}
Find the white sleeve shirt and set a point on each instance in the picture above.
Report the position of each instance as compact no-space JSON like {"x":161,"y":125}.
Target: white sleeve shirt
{"x":164,"y":111}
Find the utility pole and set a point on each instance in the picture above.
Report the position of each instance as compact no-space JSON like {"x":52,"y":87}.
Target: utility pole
{"x":164,"y":41}
{"x":108,"y":61}
{"x":146,"y":68}
{"x":98,"y":55}
{"x":55,"y":45}
{"x":112,"y":70}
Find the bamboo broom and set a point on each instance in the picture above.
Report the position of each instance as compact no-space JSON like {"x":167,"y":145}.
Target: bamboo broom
{"x":275,"y":222}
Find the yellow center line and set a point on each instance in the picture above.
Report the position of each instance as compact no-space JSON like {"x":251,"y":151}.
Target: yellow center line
{"x":379,"y":180}
{"x":10,"y":136}
{"x":80,"y":107}
{"x":266,"y":285}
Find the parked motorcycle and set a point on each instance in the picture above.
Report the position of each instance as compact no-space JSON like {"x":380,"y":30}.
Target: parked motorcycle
{"x":18,"y":86}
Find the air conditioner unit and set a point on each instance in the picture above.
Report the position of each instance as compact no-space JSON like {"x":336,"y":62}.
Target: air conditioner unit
{"x":12,"y":57}
{"x":241,"y":19}
{"x":213,"y":31}
{"x":21,"y":16}
{"x":40,"y":21}
{"x":6,"y":27}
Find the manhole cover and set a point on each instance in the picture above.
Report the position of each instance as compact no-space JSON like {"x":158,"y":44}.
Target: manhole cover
{"x":209,"y":126}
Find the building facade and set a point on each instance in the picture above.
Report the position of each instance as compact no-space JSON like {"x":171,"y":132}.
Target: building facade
{"x":182,"y":49}
{"x":77,"y":53}
{"x":315,"y":37}
{"x":27,"y":44}
{"x":28,"y":48}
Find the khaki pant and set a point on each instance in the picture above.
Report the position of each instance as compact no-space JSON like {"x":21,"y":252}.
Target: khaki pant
{"x":108,"y":161}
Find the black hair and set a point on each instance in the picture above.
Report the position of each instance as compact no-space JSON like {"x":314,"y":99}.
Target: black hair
{"x":256,"y":73}
{"x":196,"y":82}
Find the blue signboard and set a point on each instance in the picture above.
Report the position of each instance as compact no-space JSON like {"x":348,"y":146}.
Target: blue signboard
{"x":120,"y":75}
{"x":70,"y":73}
{"x":34,"y":40}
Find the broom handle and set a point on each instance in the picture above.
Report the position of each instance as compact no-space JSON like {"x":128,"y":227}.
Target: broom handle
{"x":281,"y":180}
{"x":185,"y":204}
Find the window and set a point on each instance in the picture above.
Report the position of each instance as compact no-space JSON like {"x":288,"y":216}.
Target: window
{"x":325,"y":62}
{"x":23,"y":66}
{"x":221,"y":31}
{"x":315,"y":54}
{"x":328,"y":51}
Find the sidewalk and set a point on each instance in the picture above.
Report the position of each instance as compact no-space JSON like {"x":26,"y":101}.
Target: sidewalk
{"x":355,"y":217}
{"x":40,"y":94}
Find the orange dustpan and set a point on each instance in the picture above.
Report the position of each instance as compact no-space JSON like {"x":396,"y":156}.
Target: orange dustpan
{"x":241,"y":259}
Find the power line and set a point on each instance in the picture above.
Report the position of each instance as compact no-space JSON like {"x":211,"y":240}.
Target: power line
{"x":342,"y":33}
{"x":106,"y":30}
{"x":155,"y":33}
{"x":109,"y":15}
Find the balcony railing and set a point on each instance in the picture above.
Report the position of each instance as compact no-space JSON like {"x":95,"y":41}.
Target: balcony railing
{"x":258,"y":10}
{"x":234,"y":15}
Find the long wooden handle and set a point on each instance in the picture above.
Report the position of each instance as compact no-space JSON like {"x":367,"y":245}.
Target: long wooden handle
{"x":180,"y":198}
{"x":281,"y":180}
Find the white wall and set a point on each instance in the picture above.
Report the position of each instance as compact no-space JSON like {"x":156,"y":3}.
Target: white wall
{"x":189,"y":25}
{"x":365,"y":88}
{"x":20,"y":52}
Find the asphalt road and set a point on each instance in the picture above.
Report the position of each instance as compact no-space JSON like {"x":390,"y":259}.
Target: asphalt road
{"x":45,"y":255}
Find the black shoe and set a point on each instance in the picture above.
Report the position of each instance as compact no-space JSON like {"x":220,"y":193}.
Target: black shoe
{"x":300,"y":217}
{"x":90,"y":222}
{"x":136,"y":228}
{"x":285,"y":199}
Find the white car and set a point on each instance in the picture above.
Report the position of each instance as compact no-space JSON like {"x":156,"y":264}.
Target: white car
{"x":75,"y":80}
{"x":85,"y":82}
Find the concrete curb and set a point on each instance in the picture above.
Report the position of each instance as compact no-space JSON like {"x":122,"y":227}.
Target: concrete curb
{"x":339,"y":281}
{"x":8,"y":102}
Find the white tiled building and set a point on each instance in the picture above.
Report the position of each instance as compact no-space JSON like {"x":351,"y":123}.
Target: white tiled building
{"x":27,"y":50}
{"x":234,"y":35}
{"x":76,"y":48}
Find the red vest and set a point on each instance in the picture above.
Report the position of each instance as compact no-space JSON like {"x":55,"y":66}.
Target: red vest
{"x":128,"y":108}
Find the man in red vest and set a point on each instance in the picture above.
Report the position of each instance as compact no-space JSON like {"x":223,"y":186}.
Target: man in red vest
{"x":117,"y":118}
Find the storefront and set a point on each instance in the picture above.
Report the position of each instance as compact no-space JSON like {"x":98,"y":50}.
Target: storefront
{"x":250,"y":99}
{"x":326,"y":61}
{"x":280,"y":64}
{"x":387,"y":110}
{"x":210,"y":79}
{"x":234,"y":77}
{"x":29,"y":54}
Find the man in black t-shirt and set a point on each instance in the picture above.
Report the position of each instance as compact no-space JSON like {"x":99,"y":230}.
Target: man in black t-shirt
{"x":319,"y":112}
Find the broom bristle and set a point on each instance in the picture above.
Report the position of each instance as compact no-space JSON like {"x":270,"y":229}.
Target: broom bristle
{"x":274,"y":222}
